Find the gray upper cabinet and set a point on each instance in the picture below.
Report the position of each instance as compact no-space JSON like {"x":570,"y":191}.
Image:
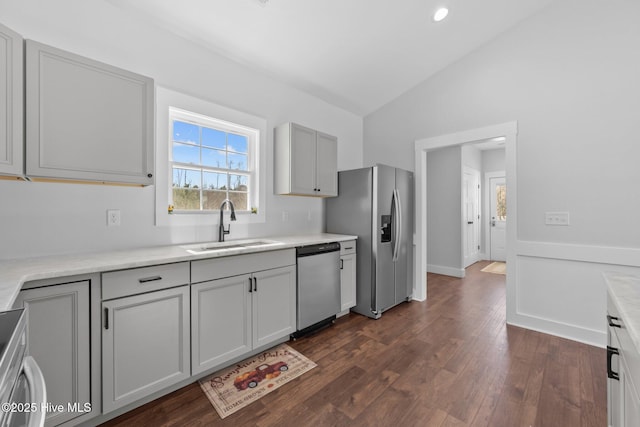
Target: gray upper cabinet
{"x":86,"y":120}
{"x":306,"y":162}
{"x":11,"y":102}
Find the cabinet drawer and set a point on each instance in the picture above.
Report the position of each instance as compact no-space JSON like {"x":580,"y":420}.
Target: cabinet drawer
{"x":116,"y":284}
{"x":348,"y":247}
{"x":218,"y":268}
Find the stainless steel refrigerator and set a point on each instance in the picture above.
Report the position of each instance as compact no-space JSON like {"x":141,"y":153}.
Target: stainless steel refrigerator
{"x":376,"y":204}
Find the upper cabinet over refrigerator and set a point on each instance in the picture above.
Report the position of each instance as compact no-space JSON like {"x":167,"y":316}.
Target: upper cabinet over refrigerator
{"x":86,"y":120}
{"x":306,"y":162}
{"x":11,"y":102}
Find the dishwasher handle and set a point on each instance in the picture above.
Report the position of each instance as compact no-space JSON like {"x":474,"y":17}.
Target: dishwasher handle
{"x":311,"y":250}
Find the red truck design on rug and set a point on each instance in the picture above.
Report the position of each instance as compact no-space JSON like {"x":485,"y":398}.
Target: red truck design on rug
{"x":252,"y":378}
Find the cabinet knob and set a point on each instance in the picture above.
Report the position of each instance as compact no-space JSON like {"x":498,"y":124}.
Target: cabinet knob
{"x":149,"y":175}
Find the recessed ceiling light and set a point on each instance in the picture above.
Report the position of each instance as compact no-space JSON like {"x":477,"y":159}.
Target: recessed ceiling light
{"x":440,"y":14}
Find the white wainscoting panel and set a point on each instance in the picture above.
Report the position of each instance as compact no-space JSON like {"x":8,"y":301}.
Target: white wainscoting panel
{"x":559,"y":289}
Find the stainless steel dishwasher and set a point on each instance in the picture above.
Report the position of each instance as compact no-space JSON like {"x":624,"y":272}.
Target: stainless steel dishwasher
{"x":318,"y":286}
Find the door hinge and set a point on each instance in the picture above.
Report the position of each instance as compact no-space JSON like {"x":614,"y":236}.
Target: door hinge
{"x":478,"y":247}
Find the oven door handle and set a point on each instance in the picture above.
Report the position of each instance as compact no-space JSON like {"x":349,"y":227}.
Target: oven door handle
{"x":37,"y":389}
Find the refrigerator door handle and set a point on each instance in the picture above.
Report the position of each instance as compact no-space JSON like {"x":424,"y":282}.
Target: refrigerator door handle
{"x":397,"y":213}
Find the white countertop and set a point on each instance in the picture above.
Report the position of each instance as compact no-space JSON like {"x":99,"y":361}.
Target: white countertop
{"x":14,"y":273}
{"x":624,"y":290}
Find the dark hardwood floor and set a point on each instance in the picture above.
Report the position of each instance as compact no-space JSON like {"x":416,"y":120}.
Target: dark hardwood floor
{"x":449,"y":361}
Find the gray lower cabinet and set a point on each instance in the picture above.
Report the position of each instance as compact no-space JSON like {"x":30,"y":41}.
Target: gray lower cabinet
{"x":145,"y":345}
{"x":623,"y":398}
{"x":274,"y":305}
{"x":220,"y":321}
{"x":347,"y":275}
{"x":234,"y":315}
{"x":58,"y":335}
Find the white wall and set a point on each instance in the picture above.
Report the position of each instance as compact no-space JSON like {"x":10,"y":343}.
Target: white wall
{"x":569,"y":76}
{"x":444,"y":210}
{"x":493,"y":160}
{"x":472,"y":157}
{"x":39,"y":218}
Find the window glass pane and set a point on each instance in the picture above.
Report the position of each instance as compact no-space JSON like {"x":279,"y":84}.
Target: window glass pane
{"x":185,"y":132}
{"x":215,"y":181}
{"x":186,"y":199}
{"x":501,"y":202}
{"x":212,"y":199}
{"x":185,"y":178}
{"x":209,"y":163}
{"x":238,"y":182}
{"x":237,"y":161}
{"x":186,"y":153}
{"x":214,"y":138}
{"x":214,"y":158}
{"x":239,"y":200}
{"x":237,"y":143}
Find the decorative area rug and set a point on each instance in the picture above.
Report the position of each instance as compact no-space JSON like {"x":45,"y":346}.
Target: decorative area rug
{"x":496,"y":267}
{"x":235,"y":387}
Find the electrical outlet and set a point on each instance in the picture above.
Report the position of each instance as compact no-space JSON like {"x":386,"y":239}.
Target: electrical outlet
{"x":285,"y":216}
{"x":113,"y":217}
{"x":556,"y":218}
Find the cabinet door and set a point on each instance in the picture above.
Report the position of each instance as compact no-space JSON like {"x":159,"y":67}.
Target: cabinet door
{"x":274,"y":305}
{"x":145,"y":345}
{"x":629,"y":400}
{"x":220,"y":321}
{"x":303,"y":160}
{"x":326,"y":165}
{"x":87,"y":120}
{"x":58,"y":335}
{"x":614,"y":387}
{"x":11,"y":101}
{"x":347,"y":281}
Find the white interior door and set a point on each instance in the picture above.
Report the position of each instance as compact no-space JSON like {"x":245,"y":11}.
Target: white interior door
{"x":471,"y":216}
{"x":498,"y":218}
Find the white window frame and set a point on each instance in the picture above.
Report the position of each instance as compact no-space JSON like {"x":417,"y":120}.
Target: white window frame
{"x":168,"y":99}
{"x":253,"y":135}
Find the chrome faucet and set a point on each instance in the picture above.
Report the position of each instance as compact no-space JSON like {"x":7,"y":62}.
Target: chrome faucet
{"x":221,"y":230}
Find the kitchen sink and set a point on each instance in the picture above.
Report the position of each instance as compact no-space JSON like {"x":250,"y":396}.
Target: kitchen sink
{"x":211,"y":247}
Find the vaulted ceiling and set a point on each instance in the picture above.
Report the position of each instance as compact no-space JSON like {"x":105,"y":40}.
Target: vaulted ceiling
{"x":355,"y":54}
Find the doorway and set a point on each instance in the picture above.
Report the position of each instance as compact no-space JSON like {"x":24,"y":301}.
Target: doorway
{"x":422,"y":147}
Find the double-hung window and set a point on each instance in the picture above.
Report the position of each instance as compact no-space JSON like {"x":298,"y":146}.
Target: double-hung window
{"x":211,"y":160}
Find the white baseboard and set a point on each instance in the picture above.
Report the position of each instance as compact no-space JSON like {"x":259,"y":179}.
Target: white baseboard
{"x":562,"y":330}
{"x":447,"y":271}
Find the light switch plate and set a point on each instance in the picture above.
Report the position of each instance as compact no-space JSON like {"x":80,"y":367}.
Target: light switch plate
{"x":556,"y":218}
